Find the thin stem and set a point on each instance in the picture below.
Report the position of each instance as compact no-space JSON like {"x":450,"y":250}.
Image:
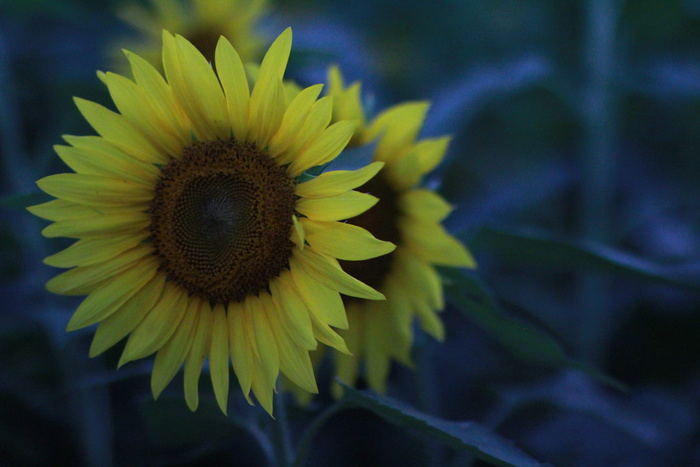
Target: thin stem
{"x":427,"y":396}
{"x":280,"y":433}
{"x":597,"y":166}
{"x":310,"y":433}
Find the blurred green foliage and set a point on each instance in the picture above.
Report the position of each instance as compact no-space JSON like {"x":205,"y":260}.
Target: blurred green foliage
{"x":514,"y":82}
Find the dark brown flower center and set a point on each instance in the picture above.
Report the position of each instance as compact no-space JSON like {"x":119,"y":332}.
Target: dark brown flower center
{"x":221,"y":219}
{"x":382,"y":222}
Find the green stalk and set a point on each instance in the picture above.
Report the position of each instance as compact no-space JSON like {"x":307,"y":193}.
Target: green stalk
{"x":598,"y":168}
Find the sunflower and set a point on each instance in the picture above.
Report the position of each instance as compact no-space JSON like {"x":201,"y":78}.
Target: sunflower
{"x":407,"y":215}
{"x":201,"y":22}
{"x":197,"y":236}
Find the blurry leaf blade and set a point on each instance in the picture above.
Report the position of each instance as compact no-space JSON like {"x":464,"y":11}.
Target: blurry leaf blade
{"x":540,"y":249}
{"x":468,"y":436}
{"x":528,"y":342}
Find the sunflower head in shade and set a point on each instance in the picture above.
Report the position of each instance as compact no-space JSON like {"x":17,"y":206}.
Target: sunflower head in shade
{"x":196,"y":237}
{"x":407,"y":215}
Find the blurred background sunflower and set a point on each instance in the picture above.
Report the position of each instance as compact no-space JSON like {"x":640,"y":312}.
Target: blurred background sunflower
{"x":574,"y":176}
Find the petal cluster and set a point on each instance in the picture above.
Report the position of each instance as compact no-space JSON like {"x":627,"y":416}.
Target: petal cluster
{"x":380,"y":332}
{"x":105,"y":206}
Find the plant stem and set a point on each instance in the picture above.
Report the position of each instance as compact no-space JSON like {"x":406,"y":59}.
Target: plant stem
{"x":310,"y":433}
{"x":280,"y":432}
{"x":597,"y":168}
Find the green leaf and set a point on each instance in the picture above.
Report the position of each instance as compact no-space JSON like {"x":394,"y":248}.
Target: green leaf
{"x":24,"y":201}
{"x":524,"y":340}
{"x":541,"y":249}
{"x":481,"y":442}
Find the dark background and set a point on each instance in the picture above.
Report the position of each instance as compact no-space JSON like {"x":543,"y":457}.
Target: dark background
{"x":576,"y":122}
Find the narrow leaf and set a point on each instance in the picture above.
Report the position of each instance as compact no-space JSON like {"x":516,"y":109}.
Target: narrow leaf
{"x":522,"y":339}
{"x":480,"y":441}
{"x":541,"y":249}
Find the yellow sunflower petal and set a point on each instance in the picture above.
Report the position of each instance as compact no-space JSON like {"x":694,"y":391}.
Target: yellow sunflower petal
{"x":60,"y":210}
{"x":337,"y":182}
{"x":325,"y":148}
{"x":344,"y":241}
{"x":218,"y":357}
{"x":298,"y":234}
{"x":241,"y":348}
{"x":376,"y":358}
{"x":95,"y":191}
{"x":399,"y":318}
{"x":327,"y":271}
{"x":328,"y":336}
{"x":133,"y":103}
{"x":172,"y":355}
{"x":118,"y":131}
{"x":430,"y":152}
{"x":267,"y":105}
{"x":233,"y":79}
{"x":424,"y":205}
{"x":275,"y":61}
{"x":315,"y":123}
{"x":294,"y":361}
{"x":398,"y":127}
{"x":347,"y":103}
{"x":196,"y":88}
{"x":321,"y":300}
{"x":267,"y":101}
{"x":430,"y":322}
{"x":109,"y":162}
{"x":81,"y":280}
{"x":334,"y":208}
{"x":161,"y":97}
{"x":434,"y":244}
{"x":157,"y":327}
{"x":293,"y":311}
{"x":293,"y":120}
{"x":347,"y":366}
{"x":111,"y":223}
{"x":264,"y":339}
{"x":198,"y":353}
{"x":110,"y":297}
{"x":419,"y":274}
{"x":120,"y":323}
{"x":92,"y":251}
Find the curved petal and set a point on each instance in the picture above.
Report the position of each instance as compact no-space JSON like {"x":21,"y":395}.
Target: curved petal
{"x":334,"y":208}
{"x":198,"y":353}
{"x":96,"y":191}
{"x":120,"y":323}
{"x":344,"y":241}
{"x":111,"y":296}
{"x":233,"y":79}
{"x":118,"y":131}
{"x":327,"y":271}
{"x":172,"y":355}
{"x":325,"y":148}
{"x":337,"y":182}
{"x":218,"y":357}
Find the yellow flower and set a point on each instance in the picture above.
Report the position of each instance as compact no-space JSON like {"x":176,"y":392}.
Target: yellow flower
{"x":201,"y":22}
{"x":196,"y":237}
{"x":410,"y":217}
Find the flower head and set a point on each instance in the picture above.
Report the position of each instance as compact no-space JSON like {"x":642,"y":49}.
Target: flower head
{"x":407,"y":215}
{"x":196,"y":238}
{"x":201,"y":22}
